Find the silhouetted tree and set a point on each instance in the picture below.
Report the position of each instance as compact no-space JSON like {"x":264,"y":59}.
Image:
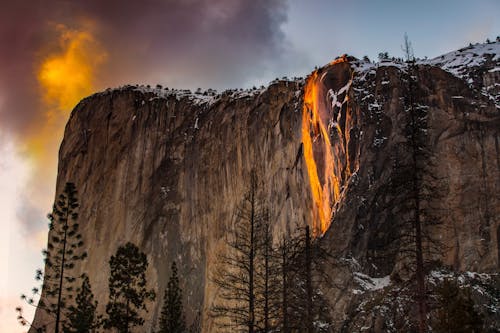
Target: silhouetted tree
{"x":127,"y":289}
{"x":383,"y":56}
{"x":21,"y":319}
{"x":62,"y":253}
{"x":235,"y":309}
{"x":286,"y":260}
{"x":267,"y":287}
{"x":416,"y":188}
{"x":82,"y":317}
{"x":172,"y":318}
{"x":408,"y":49}
{"x":307,"y":309}
{"x":416,"y":141}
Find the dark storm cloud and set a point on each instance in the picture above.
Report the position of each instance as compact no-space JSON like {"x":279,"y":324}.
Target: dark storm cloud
{"x":219,"y":43}
{"x":19,"y":39}
{"x":184,"y":43}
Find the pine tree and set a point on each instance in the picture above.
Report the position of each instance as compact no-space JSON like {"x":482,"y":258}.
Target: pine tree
{"x":63,"y":252}
{"x":172,"y":318}
{"x":303,"y":262}
{"x":82,"y":317}
{"x":417,"y":143}
{"x":127,"y":289}
{"x":383,"y":56}
{"x":418,"y":190}
{"x":23,"y":321}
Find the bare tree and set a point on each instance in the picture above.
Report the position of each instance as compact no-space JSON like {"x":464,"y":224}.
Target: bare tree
{"x":267,"y":283}
{"x":302,"y":272}
{"x":408,"y":49}
{"x":237,"y":272}
{"x":265,"y":288}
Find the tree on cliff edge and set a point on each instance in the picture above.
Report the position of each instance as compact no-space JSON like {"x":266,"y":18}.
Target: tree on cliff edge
{"x":63,"y":252}
{"x":172,"y":318}
{"x":127,"y":289}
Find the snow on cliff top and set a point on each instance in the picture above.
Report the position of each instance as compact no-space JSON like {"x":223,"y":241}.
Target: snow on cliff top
{"x":460,"y":61}
{"x":198,"y":97}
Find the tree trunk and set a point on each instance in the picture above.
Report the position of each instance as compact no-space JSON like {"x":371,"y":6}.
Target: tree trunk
{"x":266,"y":278}
{"x":126,"y":316}
{"x":251,"y":298}
{"x":309,"y":305}
{"x":284,"y":272}
{"x":59,"y":296}
{"x":421,"y":292}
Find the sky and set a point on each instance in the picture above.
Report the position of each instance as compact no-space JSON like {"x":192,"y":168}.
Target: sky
{"x":55,"y":52}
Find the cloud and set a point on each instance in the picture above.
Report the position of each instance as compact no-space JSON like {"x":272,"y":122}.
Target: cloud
{"x":66,"y":75}
{"x":221,"y":43}
{"x":63,"y":73}
{"x":15,"y":250}
{"x":31,"y":217}
{"x":189,"y":43}
{"x":55,"y":52}
{"x":20,"y":38}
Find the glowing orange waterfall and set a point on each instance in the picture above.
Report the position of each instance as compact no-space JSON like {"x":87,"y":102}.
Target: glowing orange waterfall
{"x":318,"y":154}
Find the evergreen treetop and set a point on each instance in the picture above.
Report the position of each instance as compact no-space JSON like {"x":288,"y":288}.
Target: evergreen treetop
{"x":127,"y":289}
{"x":172,"y":318}
{"x":64,"y":250}
{"x":82,"y":317}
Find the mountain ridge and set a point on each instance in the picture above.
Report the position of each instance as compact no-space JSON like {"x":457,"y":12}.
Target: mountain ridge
{"x":167,"y":168}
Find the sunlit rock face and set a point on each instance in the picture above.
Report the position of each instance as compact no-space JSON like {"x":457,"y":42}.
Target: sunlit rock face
{"x":168,"y":172}
{"x":166,"y":169}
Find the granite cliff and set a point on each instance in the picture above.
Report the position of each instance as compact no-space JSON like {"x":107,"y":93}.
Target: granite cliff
{"x":166,"y":169}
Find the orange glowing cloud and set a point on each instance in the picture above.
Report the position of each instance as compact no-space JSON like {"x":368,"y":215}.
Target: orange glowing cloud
{"x":66,"y":74}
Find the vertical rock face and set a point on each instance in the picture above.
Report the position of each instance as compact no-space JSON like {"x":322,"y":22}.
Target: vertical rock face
{"x":460,"y":188}
{"x":166,"y":170}
{"x":463,"y":130}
